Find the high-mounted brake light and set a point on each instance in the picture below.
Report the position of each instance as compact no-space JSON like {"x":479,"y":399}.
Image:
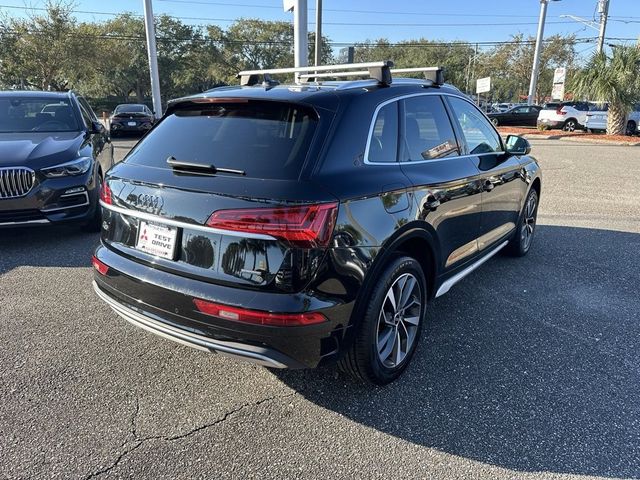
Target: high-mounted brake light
{"x":105,"y":194}
{"x":258,"y":317}
{"x":100,"y":267}
{"x":304,"y":225}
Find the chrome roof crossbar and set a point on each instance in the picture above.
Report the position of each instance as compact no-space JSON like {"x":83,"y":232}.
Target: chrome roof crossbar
{"x":377,"y":70}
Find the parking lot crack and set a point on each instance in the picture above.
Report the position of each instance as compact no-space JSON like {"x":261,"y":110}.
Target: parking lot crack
{"x":227,"y":415}
{"x":137,"y":442}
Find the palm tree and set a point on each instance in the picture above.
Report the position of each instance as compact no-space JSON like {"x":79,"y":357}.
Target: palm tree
{"x":613,"y":79}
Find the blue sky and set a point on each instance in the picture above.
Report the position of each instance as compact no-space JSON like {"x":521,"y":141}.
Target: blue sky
{"x":358,"y":20}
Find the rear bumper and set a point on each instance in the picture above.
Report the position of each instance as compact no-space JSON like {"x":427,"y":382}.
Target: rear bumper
{"x":550,"y":123}
{"x":162,"y":303}
{"x":258,"y":355}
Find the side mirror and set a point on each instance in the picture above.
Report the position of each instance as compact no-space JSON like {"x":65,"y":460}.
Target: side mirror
{"x":96,"y":127}
{"x":516,"y":145}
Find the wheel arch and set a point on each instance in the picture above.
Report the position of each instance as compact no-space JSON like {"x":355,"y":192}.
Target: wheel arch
{"x":416,"y":241}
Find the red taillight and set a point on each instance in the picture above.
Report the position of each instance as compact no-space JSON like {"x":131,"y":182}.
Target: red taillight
{"x":105,"y":194}
{"x":258,"y":317}
{"x":304,"y":225}
{"x":101,"y":268}
{"x":560,"y":111}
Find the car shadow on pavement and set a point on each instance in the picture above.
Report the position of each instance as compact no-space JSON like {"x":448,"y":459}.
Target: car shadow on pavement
{"x":528,"y":364}
{"x":51,"y":246}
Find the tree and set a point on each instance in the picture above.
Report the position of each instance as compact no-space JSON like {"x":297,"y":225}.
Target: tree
{"x":613,"y":79}
{"x":40,"y":50}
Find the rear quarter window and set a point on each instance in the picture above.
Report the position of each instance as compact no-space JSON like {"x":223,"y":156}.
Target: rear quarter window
{"x":264,"y":139}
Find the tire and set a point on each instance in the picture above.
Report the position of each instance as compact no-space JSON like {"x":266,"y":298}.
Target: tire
{"x":570,"y":125}
{"x":94,"y":225}
{"x":495,"y":122}
{"x":631,"y":128}
{"x":370,"y":358}
{"x":522,"y":239}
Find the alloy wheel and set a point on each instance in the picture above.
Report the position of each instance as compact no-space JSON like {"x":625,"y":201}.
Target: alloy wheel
{"x":398,"y":320}
{"x":529,"y":222}
{"x":569,"y":126}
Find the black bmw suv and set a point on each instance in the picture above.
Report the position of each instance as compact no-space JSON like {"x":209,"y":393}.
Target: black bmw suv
{"x":294,"y":225}
{"x":53,"y":155}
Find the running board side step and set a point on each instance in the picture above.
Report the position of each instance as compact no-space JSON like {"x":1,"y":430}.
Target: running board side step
{"x":446,"y":286}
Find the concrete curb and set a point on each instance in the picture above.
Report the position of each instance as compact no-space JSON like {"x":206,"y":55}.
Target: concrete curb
{"x":579,"y":139}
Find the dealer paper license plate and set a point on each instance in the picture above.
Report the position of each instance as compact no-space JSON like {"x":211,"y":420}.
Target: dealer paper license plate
{"x":158,"y":240}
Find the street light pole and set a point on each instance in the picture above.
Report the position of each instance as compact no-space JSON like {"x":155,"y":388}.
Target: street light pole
{"x":536,"y":55}
{"x":318,"y":46}
{"x":300,"y":41}
{"x":153,"y":58}
{"x":603,"y":8}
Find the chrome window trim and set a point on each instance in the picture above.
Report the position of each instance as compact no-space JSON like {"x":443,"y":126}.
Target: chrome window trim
{"x":26,"y":222}
{"x":417,"y":162}
{"x":175,"y":223}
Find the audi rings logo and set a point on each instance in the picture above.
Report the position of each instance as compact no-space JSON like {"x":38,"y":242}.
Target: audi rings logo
{"x":149,"y":203}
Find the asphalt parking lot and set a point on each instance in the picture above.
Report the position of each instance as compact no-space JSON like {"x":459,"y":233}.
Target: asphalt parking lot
{"x":527,"y":369}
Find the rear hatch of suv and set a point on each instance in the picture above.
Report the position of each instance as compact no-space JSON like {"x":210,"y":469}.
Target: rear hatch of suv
{"x":218,"y":192}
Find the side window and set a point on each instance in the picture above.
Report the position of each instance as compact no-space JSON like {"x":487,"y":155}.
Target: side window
{"x":88,"y":108}
{"x":383,"y":144}
{"x":428,"y":133}
{"x":86,"y":118}
{"x":478,"y":132}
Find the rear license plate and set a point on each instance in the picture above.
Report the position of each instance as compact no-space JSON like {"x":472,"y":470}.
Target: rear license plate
{"x":132,"y":124}
{"x":158,"y":240}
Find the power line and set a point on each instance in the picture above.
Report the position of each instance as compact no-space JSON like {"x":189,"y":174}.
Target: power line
{"x":374,"y":24}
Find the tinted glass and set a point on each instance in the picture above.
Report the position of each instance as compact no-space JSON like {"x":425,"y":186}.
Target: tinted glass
{"x":551,"y":106}
{"x":87,"y":108}
{"x":428,"y":133}
{"x":478,"y":132}
{"x":264,"y":139}
{"x":383,"y":145}
{"x":32,"y":114}
{"x":130,"y":109}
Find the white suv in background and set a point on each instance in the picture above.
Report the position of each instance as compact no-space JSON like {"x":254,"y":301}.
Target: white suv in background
{"x":597,"y":121}
{"x":569,"y":116}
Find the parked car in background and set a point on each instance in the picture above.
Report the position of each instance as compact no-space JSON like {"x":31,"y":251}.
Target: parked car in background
{"x":569,"y":116}
{"x":597,"y":121}
{"x":501,"y":107}
{"x":521,"y":116}
{"x":131,"y":118}
{"x":53,"y":156}
{"x":236,"y":225}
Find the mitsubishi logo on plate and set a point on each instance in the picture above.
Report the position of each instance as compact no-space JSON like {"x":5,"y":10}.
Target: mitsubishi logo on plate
{"x":149,"y":203}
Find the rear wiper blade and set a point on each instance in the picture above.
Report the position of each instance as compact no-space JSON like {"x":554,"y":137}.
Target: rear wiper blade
{"x":201,"y":168}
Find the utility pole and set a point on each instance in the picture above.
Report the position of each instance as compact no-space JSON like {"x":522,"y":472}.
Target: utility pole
{"x":536,"y":55}
{"x":153,"y":57}
{"x":300,"y":40}
{"x":603,"y":9}
{"x":318,"y":52}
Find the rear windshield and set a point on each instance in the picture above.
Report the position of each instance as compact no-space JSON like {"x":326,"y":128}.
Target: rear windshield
{"x":264,"y":139}
{"x":33,"y":114}
{"x":551,"y":106}
{"x":130,"y":109}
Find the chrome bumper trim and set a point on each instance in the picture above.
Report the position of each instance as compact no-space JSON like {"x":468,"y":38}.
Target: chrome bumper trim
{"x":190,"y":226}
{"x":41,"y":221}
{"x":83,"y":204}
{"x":183,"y":337}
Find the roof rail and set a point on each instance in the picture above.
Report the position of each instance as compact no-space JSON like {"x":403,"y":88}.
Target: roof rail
{"x":381,"y":71}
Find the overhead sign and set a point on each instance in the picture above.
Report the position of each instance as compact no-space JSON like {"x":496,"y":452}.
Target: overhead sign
{"x":483,"y":85}
{"x":557,"y":92}
{"x":559,"y":75}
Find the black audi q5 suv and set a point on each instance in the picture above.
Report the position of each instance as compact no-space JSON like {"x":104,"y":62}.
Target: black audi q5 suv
{"x":295,"y":225}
